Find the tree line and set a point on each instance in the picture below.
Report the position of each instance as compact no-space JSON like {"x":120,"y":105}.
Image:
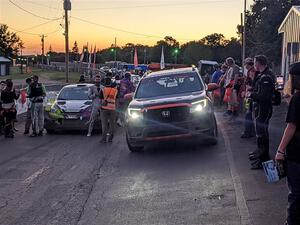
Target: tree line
{"x":212,"y":47}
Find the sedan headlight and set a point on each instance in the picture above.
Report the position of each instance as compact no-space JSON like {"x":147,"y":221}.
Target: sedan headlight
{"x":198,"y":106}
{"x":56,"y":112}
{"x":135,"y":114}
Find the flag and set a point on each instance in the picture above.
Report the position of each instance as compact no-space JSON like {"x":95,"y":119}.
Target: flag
{"x":135,"y":61}
{"x":90,"y":57}
{"x":82,"y":55}
{"x":94,"y":63}
{"x":162,"y":59}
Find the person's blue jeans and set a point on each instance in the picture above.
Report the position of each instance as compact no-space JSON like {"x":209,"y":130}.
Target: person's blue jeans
{"x":293,"y":178}
{"x":249,"y":124}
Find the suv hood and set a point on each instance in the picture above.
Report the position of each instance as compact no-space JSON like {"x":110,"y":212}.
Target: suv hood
{"x":182,"y":98}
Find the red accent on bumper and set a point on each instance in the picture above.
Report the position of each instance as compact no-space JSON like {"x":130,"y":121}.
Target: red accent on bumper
{"x":168,"y":137}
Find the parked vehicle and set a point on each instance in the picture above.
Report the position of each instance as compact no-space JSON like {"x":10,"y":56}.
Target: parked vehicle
{"x":71,"y":110}
{"x":279,"y":83}
{"x":206,"y":69}
{"x":168,"y":105}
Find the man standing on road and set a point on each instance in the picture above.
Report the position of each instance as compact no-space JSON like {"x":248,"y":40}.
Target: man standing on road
{"x":263,"y":90}
{"x":2,"y":122}
{"x":289,"y":148}
{"x":251,"y":74}
{"x":37,"y":93}
{"x":94,"y":94}
{"x":126,"y":87}
{"x":231,"y":85}
{"x":28,"y":122}
{"x":108,"y":98}
{"x":9,"y":112}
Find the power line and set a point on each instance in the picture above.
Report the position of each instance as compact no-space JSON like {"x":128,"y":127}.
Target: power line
{"x":35,"y":34}
{"x":31,"y":13}
{"x":39,"y":25}
{"x":40,"y":4}
{"x":125,"y":31}
{"x":167,"y":4}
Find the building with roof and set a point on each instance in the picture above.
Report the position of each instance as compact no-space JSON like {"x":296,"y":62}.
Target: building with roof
{"x":290,"y":29}
{"x":4,"y":66}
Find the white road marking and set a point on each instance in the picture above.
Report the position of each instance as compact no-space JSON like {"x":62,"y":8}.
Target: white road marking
{"x":243,"y":210}
{"x":29,"y":179}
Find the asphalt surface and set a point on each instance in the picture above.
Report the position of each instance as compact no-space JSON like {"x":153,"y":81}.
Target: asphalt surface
{"x":70,"y":179}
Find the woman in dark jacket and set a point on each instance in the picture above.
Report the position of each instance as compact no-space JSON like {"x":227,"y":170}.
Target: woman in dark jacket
{"x":289,"y":148}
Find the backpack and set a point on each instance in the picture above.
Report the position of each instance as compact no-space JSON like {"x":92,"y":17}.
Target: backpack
{"x":276,"y":95}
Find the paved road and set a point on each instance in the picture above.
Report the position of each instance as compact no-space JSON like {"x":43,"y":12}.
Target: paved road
{"x":69,"y":179}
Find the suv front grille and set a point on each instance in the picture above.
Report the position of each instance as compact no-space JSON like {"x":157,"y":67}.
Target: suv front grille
{"x":167,"y":115}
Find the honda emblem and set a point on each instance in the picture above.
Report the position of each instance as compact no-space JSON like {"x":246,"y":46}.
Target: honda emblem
{"x":165,"y":114}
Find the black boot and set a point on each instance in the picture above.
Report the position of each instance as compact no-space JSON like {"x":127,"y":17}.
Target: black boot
{"x":256,"y":165}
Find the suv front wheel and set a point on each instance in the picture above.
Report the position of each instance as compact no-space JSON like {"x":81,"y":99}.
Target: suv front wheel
{"x":133,"y":148}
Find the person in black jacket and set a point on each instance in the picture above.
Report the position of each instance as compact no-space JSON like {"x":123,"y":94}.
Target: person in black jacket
{"x":263,"y":89}
{"x":289,"y":148}
{"x":9,"y":112}
{"x":37,"y":93}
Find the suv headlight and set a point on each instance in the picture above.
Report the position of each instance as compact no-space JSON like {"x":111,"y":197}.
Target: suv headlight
{"x":135,"y":114}
{"x":198,"y":106}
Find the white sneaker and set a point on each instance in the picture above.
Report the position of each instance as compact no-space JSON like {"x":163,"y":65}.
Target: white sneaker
{"x":88,"y":135}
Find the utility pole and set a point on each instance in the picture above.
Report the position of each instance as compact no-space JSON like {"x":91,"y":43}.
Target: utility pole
{"x":67,"y":7}
{"x":244,"y":32}
{"x":43,"y":48}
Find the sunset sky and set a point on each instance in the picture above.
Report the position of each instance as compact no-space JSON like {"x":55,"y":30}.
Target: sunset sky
{"x":183,"y":19}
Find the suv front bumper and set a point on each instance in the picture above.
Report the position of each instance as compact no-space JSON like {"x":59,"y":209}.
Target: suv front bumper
{"x":197,"y":127}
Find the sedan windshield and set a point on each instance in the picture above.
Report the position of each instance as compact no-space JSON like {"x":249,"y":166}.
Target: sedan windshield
{"x":74,"y":93}
{"x":169,"y":85}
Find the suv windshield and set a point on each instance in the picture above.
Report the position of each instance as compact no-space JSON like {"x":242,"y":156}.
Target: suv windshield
{"x":172,"y":84}
{"x":74,"y":93}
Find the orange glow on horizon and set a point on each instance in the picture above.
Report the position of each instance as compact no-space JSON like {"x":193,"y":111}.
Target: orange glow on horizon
{"x":182,"y":20}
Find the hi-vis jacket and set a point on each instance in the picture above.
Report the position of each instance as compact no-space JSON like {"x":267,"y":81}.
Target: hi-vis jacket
{"x":109,"y":98}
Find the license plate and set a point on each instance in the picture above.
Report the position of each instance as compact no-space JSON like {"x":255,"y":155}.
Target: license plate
{"x":71,"y":117}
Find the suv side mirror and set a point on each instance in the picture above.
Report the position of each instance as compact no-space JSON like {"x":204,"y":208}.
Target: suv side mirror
{"x":212,"y":87}
{"x":129,"y":96}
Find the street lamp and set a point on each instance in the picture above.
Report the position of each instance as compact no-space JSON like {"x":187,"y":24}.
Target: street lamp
{"x":176,"y":51}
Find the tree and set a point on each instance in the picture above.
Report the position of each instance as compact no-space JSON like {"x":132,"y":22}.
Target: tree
{"x":9,"y":42}
{"x":262,"y":23}
{"x":75,"y":52}
{"x":214,"y":40}
{"x":194,"y":51}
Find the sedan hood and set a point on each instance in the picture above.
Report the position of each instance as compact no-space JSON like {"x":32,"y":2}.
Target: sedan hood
{"x":73,"y":106}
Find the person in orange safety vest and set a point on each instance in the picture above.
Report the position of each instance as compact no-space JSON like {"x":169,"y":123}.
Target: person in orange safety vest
{"x":108,"y":98}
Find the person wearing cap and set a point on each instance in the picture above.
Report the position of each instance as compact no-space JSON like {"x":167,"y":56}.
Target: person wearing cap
{"x":108,"y":98}
{"x":251,"y":74}
{"x":289,"y":148}
{"x":94,"y":95}
{"x":37,"y":93}
{"x":262,"y":96}
{"x":28,"y":122}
